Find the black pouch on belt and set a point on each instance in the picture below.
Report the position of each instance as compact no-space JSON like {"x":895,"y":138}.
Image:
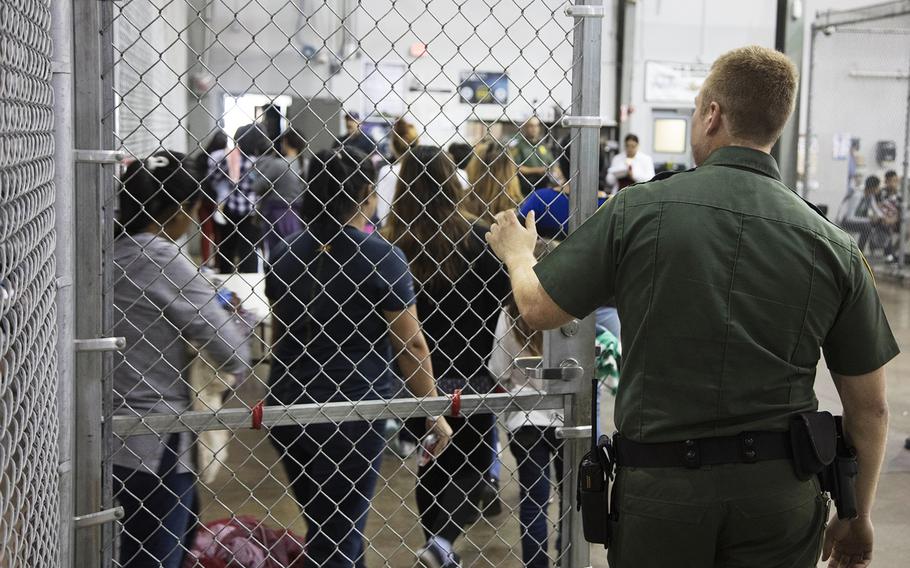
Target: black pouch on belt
{"x":813,"y":437}
{"x":594,"y":475}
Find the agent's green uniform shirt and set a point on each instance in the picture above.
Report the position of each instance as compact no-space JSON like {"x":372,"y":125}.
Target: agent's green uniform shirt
{"x":530,"y":155}
{"x":729,"y":287}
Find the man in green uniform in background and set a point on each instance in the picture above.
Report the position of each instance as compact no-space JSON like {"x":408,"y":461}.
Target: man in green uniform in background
{"x":533,"y":158}
{"x":729,"y":287}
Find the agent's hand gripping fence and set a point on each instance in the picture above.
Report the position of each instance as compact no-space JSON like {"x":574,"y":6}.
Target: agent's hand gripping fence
{"x":193,"y":442}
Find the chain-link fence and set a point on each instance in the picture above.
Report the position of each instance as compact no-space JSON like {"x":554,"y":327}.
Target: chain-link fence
{"x":858,"y":119}
{"x":29,"y":497}
{"x":309,"y":306}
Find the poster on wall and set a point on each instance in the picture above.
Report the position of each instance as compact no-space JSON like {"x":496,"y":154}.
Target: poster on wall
{"x":673,"y":83}
{"x":383,"y":88}
{"x":482,"y":88}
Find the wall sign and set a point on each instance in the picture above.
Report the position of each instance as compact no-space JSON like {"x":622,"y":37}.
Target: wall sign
{"x":676,"y":83}
{"x":480,"y":88}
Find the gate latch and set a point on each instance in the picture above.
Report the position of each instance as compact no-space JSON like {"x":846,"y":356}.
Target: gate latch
{"x":98,"y":156}
{"x":100,"y":344}
{"x":585,"y":11}
{"x":573,"y":432}
{"x":568,"y":369}
{"x":99,"y":518}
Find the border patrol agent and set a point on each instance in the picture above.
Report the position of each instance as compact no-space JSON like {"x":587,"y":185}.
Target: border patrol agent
{"x":533,"y":158}
{"x":729,"y":287}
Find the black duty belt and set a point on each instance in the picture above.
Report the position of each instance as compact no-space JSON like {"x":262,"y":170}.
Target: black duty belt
{"x":748,"y":447}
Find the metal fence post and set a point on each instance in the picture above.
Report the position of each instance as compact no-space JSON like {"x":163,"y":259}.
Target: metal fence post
{"x":91,"y":103}
{"x":578,"y":342}
{"x":905,"y":183}
{"x":62,"y":29}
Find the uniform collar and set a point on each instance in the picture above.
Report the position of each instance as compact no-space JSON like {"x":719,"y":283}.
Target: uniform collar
{"x":744,"y":158}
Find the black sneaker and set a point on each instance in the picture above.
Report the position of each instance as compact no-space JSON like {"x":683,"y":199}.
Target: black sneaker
{"x":432,"y":557}
{"x":488,"y":500}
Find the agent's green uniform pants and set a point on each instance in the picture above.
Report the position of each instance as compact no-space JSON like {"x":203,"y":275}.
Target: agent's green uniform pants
{"x":729,"y":516}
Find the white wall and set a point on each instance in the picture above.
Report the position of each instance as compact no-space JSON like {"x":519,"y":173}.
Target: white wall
{"x":529,"y":39}
{"x":150,"y":74}
{"x":868,"y":108}
{"x":694,"y":31}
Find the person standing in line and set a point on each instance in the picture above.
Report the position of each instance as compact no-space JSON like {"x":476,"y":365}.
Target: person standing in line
{"x":404,"y":137}
{"x":162,"y":306}
{"x":729,"y":287}
{"x":532,"y":434}
{"x":343,"y":301}
{"x":630,"y":166}
{"x":354,"y":136}
{"x":237,"y":252}
{"x":461,"y":154}
{"x":461,"y":288}
{"x":208,"y":224}
{"x":279,"y":191}
{"x":493,"y":182}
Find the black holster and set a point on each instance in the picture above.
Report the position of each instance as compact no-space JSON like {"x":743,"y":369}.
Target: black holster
{"x":594,"y":476}
{"x":820,"y":449}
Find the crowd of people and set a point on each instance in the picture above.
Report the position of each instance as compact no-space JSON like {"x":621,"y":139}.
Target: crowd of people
{"x":378,"y":279}
{"x":872,"y":212}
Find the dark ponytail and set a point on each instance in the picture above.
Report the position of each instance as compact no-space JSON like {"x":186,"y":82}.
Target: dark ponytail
{"x":337,"y":182}
{"x":153,"y":190}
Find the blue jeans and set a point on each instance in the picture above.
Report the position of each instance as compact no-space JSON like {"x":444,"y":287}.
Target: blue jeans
{"x":333,"y":470}
{"x":535,"y":448}
{"x":158,"y":513}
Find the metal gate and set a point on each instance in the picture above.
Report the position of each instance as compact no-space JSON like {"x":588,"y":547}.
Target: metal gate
{"x":247,"y":402}
{"x":29,"y":492}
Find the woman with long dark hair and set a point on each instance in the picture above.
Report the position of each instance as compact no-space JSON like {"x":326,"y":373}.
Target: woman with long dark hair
{"x":162,"y":305}
{"x":342,"y":300}
{"x":461,"y":287}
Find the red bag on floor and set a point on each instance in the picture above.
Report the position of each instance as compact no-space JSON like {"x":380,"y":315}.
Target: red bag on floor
{"x":244,"y":542}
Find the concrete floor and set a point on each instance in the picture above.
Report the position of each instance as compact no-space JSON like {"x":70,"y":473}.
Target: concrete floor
{"x":254,"y":483}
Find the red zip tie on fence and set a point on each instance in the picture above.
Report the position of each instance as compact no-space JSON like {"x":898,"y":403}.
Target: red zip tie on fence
{"x":456,"y":403}
{"x":257,"y":416}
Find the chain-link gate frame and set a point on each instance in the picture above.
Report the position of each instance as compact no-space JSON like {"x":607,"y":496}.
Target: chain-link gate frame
{"x":571,"y":345}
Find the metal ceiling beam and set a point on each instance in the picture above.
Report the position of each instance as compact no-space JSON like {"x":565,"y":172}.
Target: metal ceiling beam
{"x":883,"y":11}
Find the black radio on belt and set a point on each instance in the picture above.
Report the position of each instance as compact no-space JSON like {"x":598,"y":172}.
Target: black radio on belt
{"x":594,"y":475}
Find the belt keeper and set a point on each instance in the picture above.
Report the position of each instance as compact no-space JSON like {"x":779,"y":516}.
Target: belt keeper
{"x":691,"y":459}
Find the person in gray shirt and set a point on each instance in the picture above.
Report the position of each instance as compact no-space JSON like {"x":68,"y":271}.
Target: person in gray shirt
{"x":279,"y":185}
{"x":163,"y":306}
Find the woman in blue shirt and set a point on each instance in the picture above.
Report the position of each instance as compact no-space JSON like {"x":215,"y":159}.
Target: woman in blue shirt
{"x":342,"y":300}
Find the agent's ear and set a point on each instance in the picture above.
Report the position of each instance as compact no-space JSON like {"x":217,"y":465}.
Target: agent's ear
{"x":713,"y":118}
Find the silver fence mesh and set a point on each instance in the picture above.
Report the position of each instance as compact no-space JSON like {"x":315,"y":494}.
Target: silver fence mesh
{"x":301,"y":276}
{"x":858,"y":118}
{"x":28,"y":378}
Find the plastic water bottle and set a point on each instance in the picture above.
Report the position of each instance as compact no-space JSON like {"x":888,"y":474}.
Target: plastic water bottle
{"x":425,"y":455}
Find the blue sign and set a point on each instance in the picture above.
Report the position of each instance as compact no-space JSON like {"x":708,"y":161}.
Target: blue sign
{"x":484,"y":88}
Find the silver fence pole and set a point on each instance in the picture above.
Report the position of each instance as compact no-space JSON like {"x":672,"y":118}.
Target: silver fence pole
{"x":61,"y":33}
{"x":576,"y":341}
{"x":905,"y":183}
{"x":807,"y":145}
{"x":91,"y":100}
